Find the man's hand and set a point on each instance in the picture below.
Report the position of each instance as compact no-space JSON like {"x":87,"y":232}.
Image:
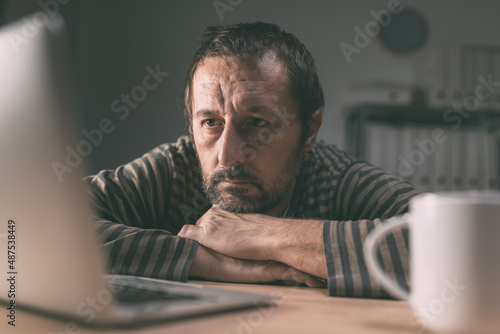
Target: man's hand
{"x":211,"y":265}
{"x":243,"y":236}
{"x":297,"y":243}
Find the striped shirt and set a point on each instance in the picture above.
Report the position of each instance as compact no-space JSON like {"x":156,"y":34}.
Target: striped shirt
{"x":141,"y":206}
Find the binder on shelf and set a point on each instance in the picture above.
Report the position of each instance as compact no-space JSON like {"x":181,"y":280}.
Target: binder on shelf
{"x":418,"y":160}
{"x":406,"y":171}
{"x":431,"y":170}
{"x":382,"y":148}
{"x":426,"y":167}
{"x":439,"y":166}
{"x":456,"y":149}
{"x":447,"y":161}
{"x":374,"y":138}
{"x":391,"y":150}
{"x":472,"y":160}
{"x":482,"y":147}
{"x":428,"y":152}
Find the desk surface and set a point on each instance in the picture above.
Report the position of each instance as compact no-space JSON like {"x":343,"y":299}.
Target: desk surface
{"x":300,"y":310}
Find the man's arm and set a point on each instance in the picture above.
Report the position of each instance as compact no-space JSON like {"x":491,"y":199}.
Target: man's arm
{"x":211,"y":265}
{"x":331,"y":249}
{"x":366,"y":198}
{"x":132,"y":206}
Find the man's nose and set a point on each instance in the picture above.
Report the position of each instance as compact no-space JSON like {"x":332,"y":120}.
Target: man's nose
{"x":231,"y":147}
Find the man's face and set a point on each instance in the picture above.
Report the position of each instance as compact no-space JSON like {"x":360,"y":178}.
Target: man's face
{"x":247,"y":132}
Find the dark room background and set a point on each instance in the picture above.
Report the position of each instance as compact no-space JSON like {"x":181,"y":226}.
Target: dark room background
{"x":114,"y":42}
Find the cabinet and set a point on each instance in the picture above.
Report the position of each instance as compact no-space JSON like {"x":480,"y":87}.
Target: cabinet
{"x":435,"y":149}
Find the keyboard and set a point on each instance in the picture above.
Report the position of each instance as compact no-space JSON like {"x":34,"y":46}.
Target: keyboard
{"x":130,"y":290}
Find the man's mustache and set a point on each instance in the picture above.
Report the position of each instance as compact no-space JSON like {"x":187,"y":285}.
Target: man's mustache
{"x":234,"y":174}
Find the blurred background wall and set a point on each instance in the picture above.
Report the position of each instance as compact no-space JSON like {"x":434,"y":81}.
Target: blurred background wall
{"x":114,"y":41}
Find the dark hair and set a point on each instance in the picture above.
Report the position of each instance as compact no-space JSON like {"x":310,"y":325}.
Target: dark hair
{"x":252,"y":40}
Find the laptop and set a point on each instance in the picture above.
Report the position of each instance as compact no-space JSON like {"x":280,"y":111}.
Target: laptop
{"x":49,"y":251}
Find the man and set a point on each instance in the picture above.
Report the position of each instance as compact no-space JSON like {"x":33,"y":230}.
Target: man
{"x":279,"y":207}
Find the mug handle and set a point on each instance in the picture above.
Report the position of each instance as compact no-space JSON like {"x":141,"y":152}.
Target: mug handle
{"x":370,"y":252}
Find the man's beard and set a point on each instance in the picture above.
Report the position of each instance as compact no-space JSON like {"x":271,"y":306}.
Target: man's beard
{"x":239,"y":200}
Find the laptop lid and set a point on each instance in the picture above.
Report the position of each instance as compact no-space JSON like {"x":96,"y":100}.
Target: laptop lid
{"x":47,"y":247}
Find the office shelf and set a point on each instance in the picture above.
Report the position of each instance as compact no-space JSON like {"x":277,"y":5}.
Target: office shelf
{"x":473,"y":149}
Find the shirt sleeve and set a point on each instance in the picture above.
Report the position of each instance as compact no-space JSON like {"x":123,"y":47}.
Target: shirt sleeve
{"x":366,"y":197}
{"x":132,"y":205}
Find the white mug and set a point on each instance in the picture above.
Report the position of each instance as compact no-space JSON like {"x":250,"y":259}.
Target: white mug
{"x":455,"y":260}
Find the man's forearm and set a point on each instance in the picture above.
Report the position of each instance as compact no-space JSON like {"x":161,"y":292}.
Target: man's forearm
{"x":211,"y":265}
{"x":299,"y":244}
{"x":151,"y":253}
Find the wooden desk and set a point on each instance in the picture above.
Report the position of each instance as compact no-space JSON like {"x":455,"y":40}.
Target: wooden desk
{"x":300,"y":310}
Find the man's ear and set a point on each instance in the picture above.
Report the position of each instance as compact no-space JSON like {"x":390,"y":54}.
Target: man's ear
{"x":316,"y":120}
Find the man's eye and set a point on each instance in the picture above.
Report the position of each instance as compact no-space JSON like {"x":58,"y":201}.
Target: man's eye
{"x":258,"y":122}
{"x":210,"y":123}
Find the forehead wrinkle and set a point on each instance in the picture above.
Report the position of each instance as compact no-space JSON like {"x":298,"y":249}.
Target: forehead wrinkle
{"x":242,"y":89}
{"x":212,"y":92}
{"x":252,"y":94}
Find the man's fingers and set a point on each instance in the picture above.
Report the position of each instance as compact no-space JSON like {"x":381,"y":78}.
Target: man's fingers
{"x":302,"y":277}
{"x":190,"y":232}
{"x":314,"y":282}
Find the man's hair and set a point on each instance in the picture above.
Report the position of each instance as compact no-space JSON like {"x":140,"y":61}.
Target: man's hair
{"x":247,"y":41}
